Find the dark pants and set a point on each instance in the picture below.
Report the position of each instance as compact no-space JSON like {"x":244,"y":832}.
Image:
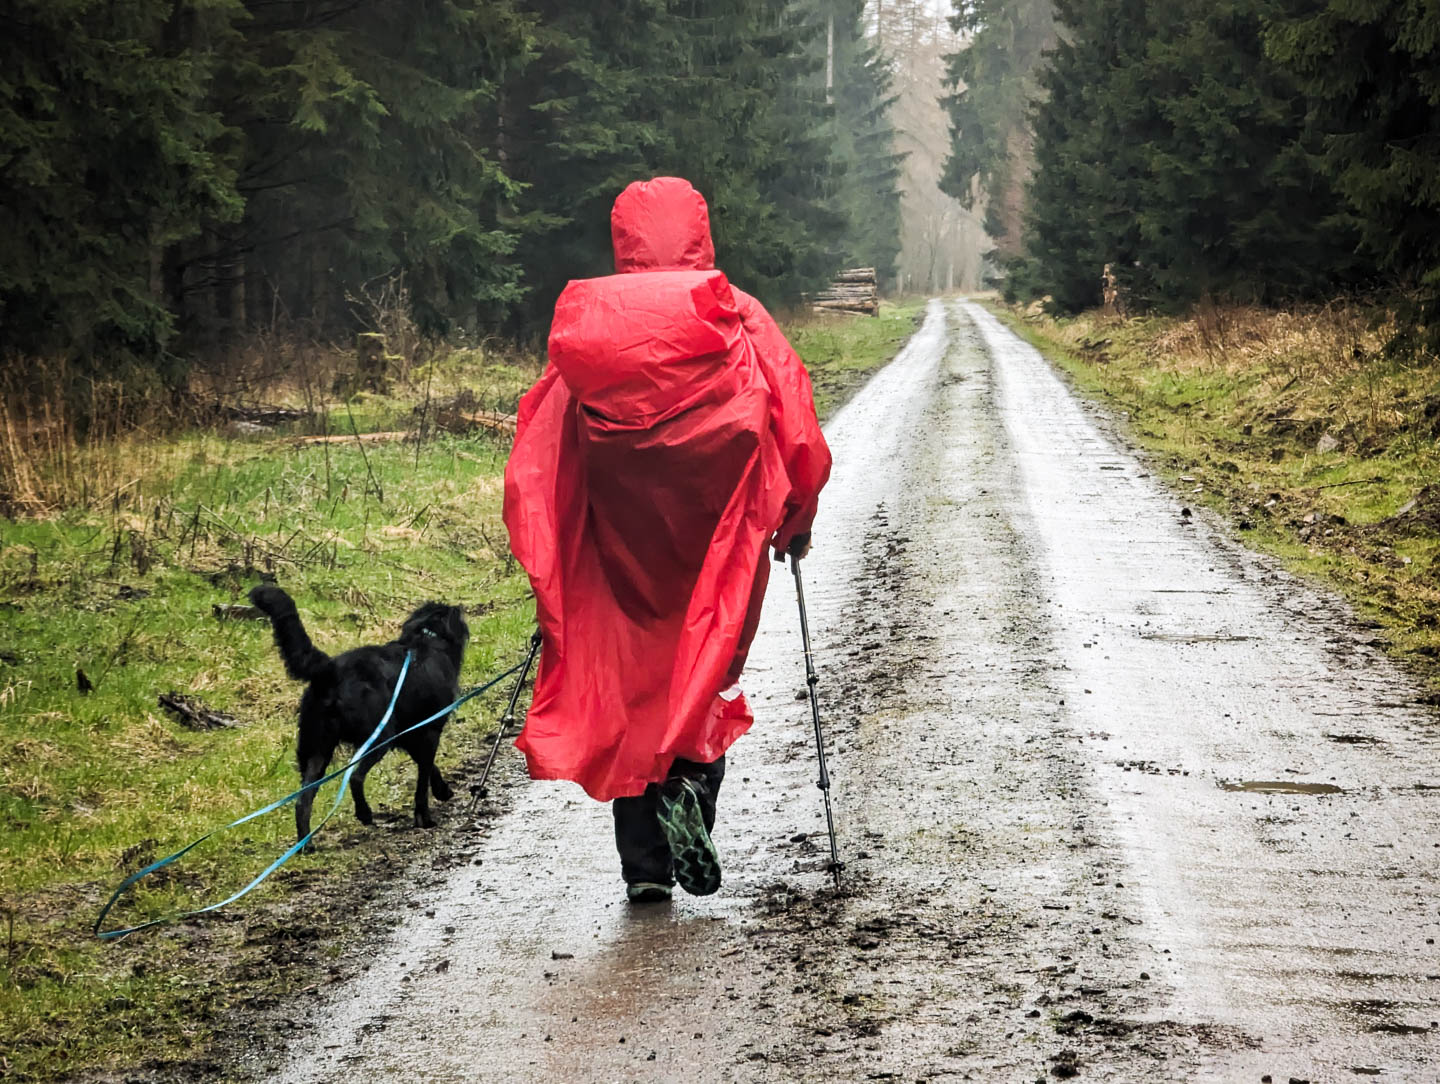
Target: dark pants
{"x":644,"y":854}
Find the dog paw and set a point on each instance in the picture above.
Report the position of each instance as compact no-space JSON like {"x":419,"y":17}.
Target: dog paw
{"x":424,"y":820}
{"x":365,"y":816}
{"x":442,"y":790}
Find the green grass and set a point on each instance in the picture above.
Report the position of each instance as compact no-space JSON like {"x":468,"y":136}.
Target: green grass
{"x":841,"y":351}
{"x":120,"y":583}
{"x":96,"y":784}
{"x":1237,"y":402}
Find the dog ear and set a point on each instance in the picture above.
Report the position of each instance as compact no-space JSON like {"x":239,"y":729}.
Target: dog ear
{"x":421,"y":622}
{"x":455,"y":625}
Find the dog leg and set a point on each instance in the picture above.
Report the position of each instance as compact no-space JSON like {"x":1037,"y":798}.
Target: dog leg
{"x":363,"y":813}
{"x":424,"y":753}
{"x":312,"y":767}
{"x":438,"y":787}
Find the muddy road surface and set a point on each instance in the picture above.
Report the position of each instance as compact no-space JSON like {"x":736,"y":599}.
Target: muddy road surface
{"x":1119,"y":801}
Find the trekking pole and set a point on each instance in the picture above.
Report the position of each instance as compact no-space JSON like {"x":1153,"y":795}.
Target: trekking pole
{"x":480,"y":790}
{"x":811,"y":679}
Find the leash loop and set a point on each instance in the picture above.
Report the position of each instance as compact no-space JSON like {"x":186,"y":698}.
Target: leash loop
{"x":345,"y":772}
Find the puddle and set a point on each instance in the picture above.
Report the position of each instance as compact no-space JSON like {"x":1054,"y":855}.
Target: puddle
{"x":1352,"y":739}
{"x":1195,"y":637}
{"x":1279,"y":786}
{"x":1399,"y":1029}
{"x":1372,"y":1006}
{"x":1366,"y":1070}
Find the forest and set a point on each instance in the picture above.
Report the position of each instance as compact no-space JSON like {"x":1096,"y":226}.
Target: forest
{"x":1217,"y":221}
{"x":179,"y":173}
{"x":1250,"y":151}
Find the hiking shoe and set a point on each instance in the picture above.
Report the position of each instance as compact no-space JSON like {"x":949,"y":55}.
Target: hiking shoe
{"x":647,"y":892}
{"x":696,"y":863}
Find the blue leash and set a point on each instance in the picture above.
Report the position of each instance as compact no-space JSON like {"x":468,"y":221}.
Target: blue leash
{"x":369,"y":746}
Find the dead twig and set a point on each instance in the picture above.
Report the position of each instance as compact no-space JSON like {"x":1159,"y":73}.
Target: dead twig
{"x":358,"y":438}
{"x":1352,"y":482}
{"x":379,"y":492}
{"x":193,"y":714}
{"x":228,"y":611}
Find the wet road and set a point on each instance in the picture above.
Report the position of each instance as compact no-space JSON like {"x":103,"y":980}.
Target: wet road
{"x":1118,"y":799}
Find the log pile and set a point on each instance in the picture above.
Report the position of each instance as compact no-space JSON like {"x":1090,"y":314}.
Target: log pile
{"x":853,"y":290}
{"x":461,"y":422}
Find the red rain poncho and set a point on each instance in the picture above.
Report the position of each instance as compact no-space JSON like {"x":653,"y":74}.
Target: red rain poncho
{"x":672,"y":436}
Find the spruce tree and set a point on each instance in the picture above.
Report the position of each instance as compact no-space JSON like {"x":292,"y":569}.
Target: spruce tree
{"x":112,"y":155}
{"x":862,"y":143}
{"x":360,"y":157}
{"x":996,"y":83}
{"x":1230,"y":204}
{"x":723,"y":94}
{"x":1371,"y":72}
{"x":1091,"y":130}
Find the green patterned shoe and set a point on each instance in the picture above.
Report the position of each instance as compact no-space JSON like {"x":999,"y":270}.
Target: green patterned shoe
{"x":697,"y":865}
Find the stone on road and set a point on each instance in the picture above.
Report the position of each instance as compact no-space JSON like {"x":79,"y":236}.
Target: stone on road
{"x":1118,"y":799}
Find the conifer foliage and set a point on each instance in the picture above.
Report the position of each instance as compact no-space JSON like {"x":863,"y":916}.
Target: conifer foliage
{"x":1253,"y":150}
{"x":180,"y":171}
{"x":995,"y":85}
{"x":1170,"y":149}
{"x":1371,"y":73}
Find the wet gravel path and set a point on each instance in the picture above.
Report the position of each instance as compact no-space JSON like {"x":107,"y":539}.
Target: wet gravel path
{"x":1119,"y":800}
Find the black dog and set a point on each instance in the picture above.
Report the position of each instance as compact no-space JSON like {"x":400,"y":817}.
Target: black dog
{"x":348,"y":695}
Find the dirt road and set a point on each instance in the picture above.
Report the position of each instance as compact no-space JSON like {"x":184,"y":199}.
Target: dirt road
{"x":1118,"y":799}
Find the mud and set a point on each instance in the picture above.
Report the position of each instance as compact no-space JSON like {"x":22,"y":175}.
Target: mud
{"x":1053,"y":703}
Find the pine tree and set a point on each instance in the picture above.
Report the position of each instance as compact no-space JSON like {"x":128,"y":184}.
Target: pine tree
{"x":723,"y":94}
{"x":1230,"y":203}
{"x":1372,"y":75}
{"x":862,"y":142}
{"x":197,"y":166}
{"x":360,"y":157}
{"x":112,"y":155}
{"x":747,"y":123}
{"x":1171,"y":150}
{"x":1091,"y":130}
{"x":995,"y":81}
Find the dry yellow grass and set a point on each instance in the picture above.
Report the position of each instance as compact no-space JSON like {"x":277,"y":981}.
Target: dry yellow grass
{"x":1300,"y":424}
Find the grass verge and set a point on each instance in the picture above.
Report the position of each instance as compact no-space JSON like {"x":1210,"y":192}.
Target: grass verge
{"x":1321,"y":450}
{"x":841,"y":351}
{"x":109,"y":599}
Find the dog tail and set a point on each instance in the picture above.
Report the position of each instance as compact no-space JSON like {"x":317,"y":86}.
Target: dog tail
{"x":303,"y":660}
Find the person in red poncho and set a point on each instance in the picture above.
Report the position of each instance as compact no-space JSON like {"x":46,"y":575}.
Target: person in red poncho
{"x":669,"y":443}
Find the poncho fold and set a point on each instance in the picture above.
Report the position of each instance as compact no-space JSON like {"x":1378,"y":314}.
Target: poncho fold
{"x":671,"y":438}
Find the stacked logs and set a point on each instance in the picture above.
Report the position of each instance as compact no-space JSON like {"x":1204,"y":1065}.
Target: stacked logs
{"x":853,"y":290}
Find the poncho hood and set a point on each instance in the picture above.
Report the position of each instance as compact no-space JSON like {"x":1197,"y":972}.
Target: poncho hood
{"x":661,"y":225}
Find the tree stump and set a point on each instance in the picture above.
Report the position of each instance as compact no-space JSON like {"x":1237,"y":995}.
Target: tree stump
{"x":372,"y":361}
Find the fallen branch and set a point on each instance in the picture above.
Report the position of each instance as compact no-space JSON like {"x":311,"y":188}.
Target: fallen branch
{"x":263,"y":415}
{"x":363,"y":438}
{"x":193,"y":714}
{"x":451,"y":422}
{"x":1352,"y":482}
{"x":462,"y":421}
